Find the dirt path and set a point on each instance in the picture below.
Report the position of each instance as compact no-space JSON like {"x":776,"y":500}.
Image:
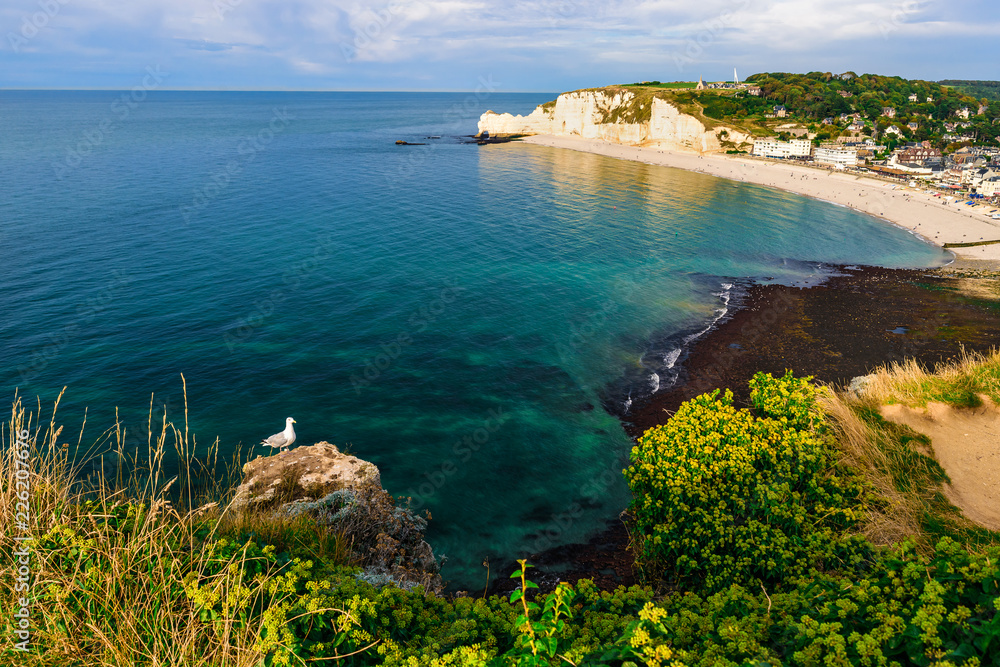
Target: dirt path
{"x":966,"y":443}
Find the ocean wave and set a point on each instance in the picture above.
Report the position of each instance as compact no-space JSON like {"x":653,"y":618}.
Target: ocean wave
{"x":719,"y":313}
{"x":657,"y":369}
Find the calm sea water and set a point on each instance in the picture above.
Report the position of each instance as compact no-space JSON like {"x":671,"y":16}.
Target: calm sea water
{"x":459,"y":315}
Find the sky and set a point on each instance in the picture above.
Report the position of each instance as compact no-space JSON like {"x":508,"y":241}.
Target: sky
{"x":462,"y":45}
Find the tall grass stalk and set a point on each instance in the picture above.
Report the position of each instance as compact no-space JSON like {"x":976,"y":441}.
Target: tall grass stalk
{"x":867,"y":450}
{"x":112,"y":542}
{"x":961,"y":383}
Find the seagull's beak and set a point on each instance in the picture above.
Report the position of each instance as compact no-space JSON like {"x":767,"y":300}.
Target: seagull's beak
{"x":294,"y":422}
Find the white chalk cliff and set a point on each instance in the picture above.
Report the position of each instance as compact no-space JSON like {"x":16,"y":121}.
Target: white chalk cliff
{"x":597,"y":114}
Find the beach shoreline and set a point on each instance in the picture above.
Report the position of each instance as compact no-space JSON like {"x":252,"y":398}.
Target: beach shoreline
{"x":911,"y":209}
{"x":856,"y":320}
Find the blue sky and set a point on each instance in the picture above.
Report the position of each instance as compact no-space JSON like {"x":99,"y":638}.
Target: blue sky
{"x":456,"y":44}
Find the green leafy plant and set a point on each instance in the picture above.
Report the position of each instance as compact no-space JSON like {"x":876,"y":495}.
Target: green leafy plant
{"x":744,"y":520}
{"x":538,"y":640}
{"x":723,"y":496}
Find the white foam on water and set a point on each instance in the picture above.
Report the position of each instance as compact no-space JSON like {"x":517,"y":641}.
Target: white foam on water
{"x":724,"y":295}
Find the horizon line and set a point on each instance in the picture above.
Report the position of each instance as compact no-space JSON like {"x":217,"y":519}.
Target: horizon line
{"x":265,"y":90}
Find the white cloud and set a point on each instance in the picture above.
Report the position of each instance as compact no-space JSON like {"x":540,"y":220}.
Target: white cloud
{"x":324,"y":38}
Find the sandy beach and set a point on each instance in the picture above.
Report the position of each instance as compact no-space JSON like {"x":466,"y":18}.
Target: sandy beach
{"x":911,"y":208}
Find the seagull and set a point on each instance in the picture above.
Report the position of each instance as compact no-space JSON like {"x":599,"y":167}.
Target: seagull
{"x":284,"y":439}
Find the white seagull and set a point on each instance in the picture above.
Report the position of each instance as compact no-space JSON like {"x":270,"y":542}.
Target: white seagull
{"x":284,"y":439}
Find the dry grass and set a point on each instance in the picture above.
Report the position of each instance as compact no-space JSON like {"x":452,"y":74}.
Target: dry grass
{"x":959,"y":383}
{"x":299,"y":534}
{"x":897,"y":462}
{"x":110,"y":551}
{"x":866,"y":450}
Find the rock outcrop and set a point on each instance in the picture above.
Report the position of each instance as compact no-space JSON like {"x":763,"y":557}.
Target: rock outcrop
{"x":343,"y":494}
{"x":618,"y":117}
{"x":317,"y":471}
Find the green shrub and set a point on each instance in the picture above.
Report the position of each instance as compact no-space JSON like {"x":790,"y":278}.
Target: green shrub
{"x":911,"y":610}
{"x":746,"y":511}
{"x":723,"y":496}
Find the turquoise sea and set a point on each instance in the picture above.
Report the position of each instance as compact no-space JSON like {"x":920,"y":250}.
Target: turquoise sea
{"x":465,"y":317}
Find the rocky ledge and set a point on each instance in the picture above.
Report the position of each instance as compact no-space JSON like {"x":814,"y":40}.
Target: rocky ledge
{"x":343,"y":494}
{"x":320,"y":468}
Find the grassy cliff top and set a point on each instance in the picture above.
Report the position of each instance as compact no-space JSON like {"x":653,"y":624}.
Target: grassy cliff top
{"x":684,"y":97}
{"x":923,"y":110}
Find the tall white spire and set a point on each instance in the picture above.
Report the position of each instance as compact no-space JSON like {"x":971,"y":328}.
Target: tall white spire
{"x":736,"y":79}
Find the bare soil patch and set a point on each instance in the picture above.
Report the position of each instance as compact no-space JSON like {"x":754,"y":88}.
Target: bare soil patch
{"x":966,"y":442}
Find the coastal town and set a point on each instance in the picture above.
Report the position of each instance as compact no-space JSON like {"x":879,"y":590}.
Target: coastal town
{"x":913,"y":132}
{"x":844,"y":139}
{"x":971,"y":174}
{"x":969,"y":170}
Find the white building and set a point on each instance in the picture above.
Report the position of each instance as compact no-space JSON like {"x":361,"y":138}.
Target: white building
{"x":978,"y":177}
{"x":989,"y":187}
{"x":773,"y":148}
{"x":909,"y":167}
{"x":838,"y":157}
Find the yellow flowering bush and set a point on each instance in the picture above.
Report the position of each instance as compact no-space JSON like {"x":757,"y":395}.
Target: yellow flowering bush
{"x":789,"y":400}
{"x":646,"y":639}
{"x":724,"y":495}
{"x":744,"y":511}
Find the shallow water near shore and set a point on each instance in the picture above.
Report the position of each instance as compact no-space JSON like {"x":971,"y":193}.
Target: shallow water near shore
{"x":458,"y":315}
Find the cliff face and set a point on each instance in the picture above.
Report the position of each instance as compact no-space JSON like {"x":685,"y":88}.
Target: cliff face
{"x":615,"y":117}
